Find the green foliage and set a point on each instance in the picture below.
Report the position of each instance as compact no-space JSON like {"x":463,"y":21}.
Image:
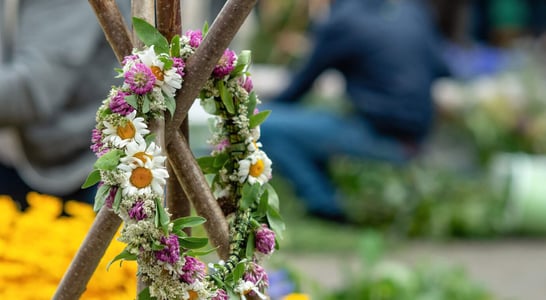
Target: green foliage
{"x":124,"y":255}
{"x":100,"y":197}
{"x":417,"y":201}
{"x":259,"y":118}
{"x":92,"y":179}
{"x":109,"y":161}
{"x":387,"y":280}
{"x":150,"y":36}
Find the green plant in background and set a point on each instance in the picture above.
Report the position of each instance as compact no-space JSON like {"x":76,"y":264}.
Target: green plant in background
{"x":379,"y":279}
{"x":416,"y":201}
{"x":502,"y":112}
{"x":280,"y":34}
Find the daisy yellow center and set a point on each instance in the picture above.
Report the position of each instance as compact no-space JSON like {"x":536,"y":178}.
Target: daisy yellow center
{"x":193,"y":295}
{"x":126,"y":131}
{"x":257,"y":168}
{"x":141,"y":177}
{"x":157,"y":73}
{"x":142,"y":156}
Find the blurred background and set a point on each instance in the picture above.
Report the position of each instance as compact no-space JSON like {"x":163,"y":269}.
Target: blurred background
{"x":464,"y":219}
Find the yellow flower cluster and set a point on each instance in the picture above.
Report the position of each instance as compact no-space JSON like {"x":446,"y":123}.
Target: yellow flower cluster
{"x":37,"y":246}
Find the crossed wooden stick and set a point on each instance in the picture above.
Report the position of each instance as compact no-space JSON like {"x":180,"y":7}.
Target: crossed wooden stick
{"x":186,"y":185}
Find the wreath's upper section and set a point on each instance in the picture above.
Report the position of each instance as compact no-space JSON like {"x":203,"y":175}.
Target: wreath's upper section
{"x":131,"y":173}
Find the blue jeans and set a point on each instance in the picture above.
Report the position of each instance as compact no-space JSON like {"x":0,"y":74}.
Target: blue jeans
{"x":13,"y":186}
{"x":300,"y":141}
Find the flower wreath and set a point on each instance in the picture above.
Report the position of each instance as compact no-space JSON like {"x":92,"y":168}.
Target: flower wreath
{"x":131,"y":173}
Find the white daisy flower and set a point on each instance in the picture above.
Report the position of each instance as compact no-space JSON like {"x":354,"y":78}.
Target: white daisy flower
{"x":244,"y":287}
{"x":136,"y":152}
{"x":255,"y":133}
{"x":143,"y":178}
{"x":129,"y":129}
{"x":169,"y":80}
{"x":149,"y":58}
{"x":253,"y":145}
{"x":255,"y":168}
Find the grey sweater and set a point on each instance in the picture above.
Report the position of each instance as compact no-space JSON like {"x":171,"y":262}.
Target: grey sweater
{"x":60,"y":69}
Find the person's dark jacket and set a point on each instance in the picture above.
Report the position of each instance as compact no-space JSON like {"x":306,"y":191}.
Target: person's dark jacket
{"x":388,"y":53}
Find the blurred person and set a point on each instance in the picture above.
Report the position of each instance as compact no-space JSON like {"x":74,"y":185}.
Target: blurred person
{"x":389,"y":53}
{"x":56,"y":67}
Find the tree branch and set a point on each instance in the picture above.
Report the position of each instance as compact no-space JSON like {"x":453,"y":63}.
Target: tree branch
{"x":88,"y":256}
{"x":169,"y":21}
{"x":169,"y":24}
{"x":197,"y":190}
{"x":202,"y":62}
{"x":113,"y":25}
{"x":106,"y":222}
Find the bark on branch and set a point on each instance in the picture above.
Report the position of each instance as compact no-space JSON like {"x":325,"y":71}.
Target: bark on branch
{"x":88,"y":256}
{"x":200,"y":65}
{"x":106,"y":222}
{"x":197,"y":190}
{"x":113,"y":25}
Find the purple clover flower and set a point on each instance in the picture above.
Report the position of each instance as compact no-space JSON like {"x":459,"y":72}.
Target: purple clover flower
{"x":119,"y":105}
{"x":265,"y":240}
{"x":193,"y":269}
{"x":96,"y":143}
{"x":140,"y":79}
{"x":222,"y":145}
{"x":179,"y":65}
{"x":196,"y":36}
{"x":109,"y":201}
{"x":225,"y":65}
{"x":220,"y":295}
{"x":257,"y":275}
{"x":246,"y":83}
{"x":171,"y":252}
{"x":128,"y":58}
{"x":137,"y":212}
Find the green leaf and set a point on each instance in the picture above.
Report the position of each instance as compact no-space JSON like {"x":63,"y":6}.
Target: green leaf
{"x":149,"y":35}
{"x":124,"y":255}
{"x":185,"y":222}
{"x":275,"y":221}
{"x":205,"y":28}
{"x":249,"y":195}
{"x":200,"y":253}
{"x":109,"y":161}
{"x":100,"y":197}
{"x":238,"y":271}
{"x":149,"y":139}
{"x":209,"y":105}
{"x":175,"y":46}
{"x":263,"y":205}
{"x":117,"y":201}
{"x":157,"y":247}
{"x":252,"y":102}
{"x":206,"y":163}
{"x":251,"y":244}
{"x":92,"y":179}
{"x":132,"y":100}
{"x":258,"y":118}
{"x":193,"y":242}
{"x":167,"y":62}
{"x":170,"y":102}
{"x":145,"y":104}
{"x":161,"y":218}
{"x":237,"y":71}
{"x":273,"y":199}
{"x":226,"y":97}
{"x":220,"y":160}
{"x":244,"y":58}
{"x":145,"y":294}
